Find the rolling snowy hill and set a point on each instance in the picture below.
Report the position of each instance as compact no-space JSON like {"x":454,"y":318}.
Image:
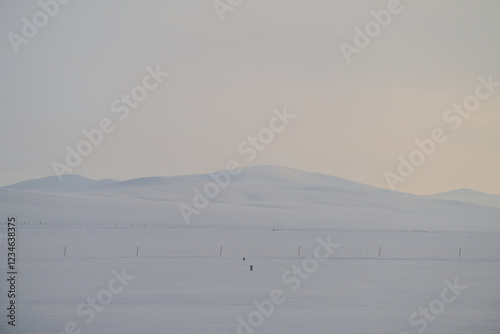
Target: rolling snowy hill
{"x":70,"y":182}
{"x":267,"y":196}
{"x":467,"y":195}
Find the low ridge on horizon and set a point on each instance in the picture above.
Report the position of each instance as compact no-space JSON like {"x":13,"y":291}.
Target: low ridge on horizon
{"x":277,"y":172}
{"x":258,"y":196}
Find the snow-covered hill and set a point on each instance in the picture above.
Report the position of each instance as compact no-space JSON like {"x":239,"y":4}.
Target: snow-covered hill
{"x":467,"y":195}
{"x":265,"y":196}
{"x":70,"y":182}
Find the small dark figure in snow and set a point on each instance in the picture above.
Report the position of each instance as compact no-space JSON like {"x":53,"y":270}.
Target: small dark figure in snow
{"x":243,"y":259}
{"x":251,"y":268}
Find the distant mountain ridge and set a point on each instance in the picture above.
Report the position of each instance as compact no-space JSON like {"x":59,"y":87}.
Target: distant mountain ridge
{"x":266,"y":196}
{"x":472,"y":196}
{"x":50,"y":183}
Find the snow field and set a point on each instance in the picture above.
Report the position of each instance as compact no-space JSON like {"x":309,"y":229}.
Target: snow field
{"x":176,"y":293}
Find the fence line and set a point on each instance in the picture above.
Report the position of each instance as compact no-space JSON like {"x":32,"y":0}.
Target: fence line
{"x":143,"y":251}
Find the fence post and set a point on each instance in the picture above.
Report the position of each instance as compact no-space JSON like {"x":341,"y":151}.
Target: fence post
{"x":459,"y":252}
{"x":137,"y":252}
{"x":379,"y":250}
{"x":64,"y":251}
{"x":298,"y":254}
{"x":220,"y":251}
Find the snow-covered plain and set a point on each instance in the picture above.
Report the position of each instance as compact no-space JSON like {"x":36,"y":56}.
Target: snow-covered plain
{"x":182,"y":285}
{"x":396,"y":251}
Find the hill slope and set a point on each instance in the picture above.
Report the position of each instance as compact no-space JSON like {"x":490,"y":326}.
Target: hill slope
{"x":261,"y":196}
{"x":70,"y":182}
{"x":467,"y":195}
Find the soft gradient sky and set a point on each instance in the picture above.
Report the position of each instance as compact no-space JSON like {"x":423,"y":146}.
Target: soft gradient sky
{"x":353,"y":120}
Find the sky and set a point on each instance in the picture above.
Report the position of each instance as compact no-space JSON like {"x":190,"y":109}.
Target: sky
{"x":217,"y":72}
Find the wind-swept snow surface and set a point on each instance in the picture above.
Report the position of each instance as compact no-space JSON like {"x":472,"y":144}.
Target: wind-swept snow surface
{"x":179,"y":282}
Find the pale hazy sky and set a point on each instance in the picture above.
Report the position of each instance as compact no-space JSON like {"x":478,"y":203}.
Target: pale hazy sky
{"x":353,"y":120}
